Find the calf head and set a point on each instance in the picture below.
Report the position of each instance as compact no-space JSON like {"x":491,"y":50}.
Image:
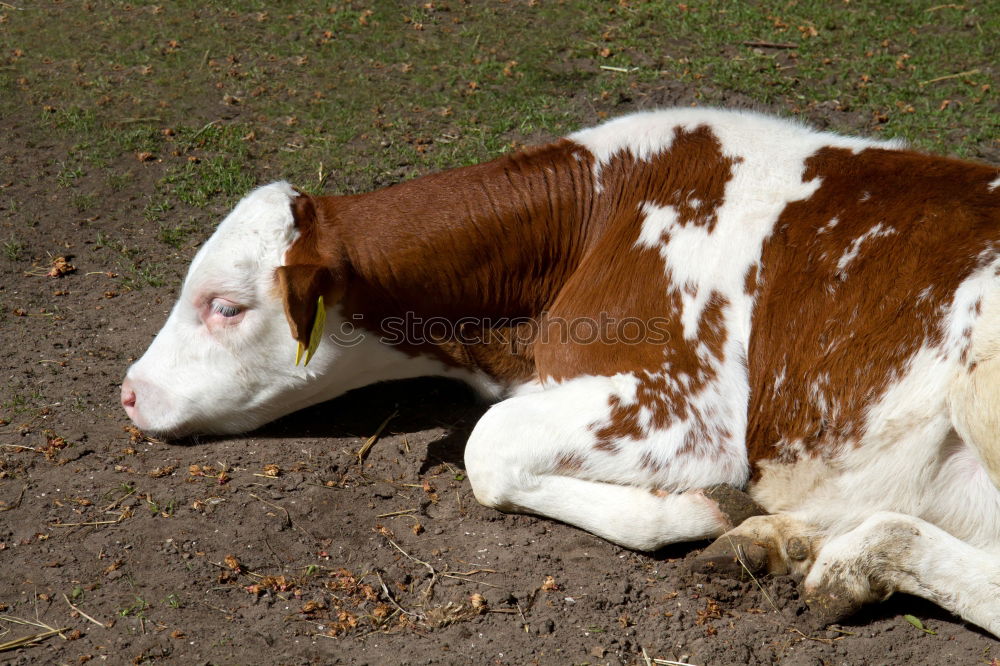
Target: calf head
{"x":227,"y":359}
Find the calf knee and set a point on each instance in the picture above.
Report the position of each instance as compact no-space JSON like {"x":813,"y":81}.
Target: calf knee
{"x":492,"y":471}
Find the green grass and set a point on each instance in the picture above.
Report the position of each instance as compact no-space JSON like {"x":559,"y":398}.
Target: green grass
{"x":331,"y":74}
{"x":119,"y":181}
{"x":13,"y":248}
{"x":69,"y":174}
{"x":137,"y":608}
{"x":893,"y":63}
{"x":216,"y":164}
{"x":155,"y":508}
{"x":84,"y":202}
{"x":136,"y":270}
{"x":19,"y":403}
{"x":176,"y":236}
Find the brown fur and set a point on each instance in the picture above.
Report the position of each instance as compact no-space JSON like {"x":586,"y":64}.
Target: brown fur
{"x":852,"y":331}
{"x":493,"y":241}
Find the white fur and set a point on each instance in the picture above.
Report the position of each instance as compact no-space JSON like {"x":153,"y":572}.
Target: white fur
{"x":512,"y":459}
{"x":893,"y":552}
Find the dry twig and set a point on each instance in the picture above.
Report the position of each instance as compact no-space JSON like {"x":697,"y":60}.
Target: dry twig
{"x":828,"y":641}
{"x":121,"y":517}
{"x":949,"y":76}
{"x":396,"y":513}
{"x":28,"y":640}
{"x":771,"y":45}
{"x":25,"y":641}
{"x":288,"y":517}
{"x":363,"y":451}
{"x":741,"y":557}
{"x":17,"y":502}
{"x":388,"y":595}
{"x":82,"y":614}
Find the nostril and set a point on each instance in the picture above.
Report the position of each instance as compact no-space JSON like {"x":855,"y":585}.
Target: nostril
{"x":128,"y":395}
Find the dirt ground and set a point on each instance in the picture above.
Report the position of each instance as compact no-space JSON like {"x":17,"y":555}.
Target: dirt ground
{"x":286,"y":546}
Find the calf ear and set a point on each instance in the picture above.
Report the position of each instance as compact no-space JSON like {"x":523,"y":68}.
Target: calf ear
{"x":305,"y":290}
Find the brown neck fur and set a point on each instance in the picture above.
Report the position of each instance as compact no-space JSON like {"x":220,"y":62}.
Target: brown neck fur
{"x":491,"y":241}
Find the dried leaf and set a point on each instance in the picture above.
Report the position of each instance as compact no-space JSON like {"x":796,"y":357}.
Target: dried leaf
{"x":60,"y":267}
{"x":312,"y":606}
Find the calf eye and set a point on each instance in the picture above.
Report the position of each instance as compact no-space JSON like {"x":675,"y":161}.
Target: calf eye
{"x":225,"y":309}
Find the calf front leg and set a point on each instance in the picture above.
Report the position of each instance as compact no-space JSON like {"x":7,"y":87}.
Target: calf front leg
{"x":891,"y":552}
{"x":536,"y":454}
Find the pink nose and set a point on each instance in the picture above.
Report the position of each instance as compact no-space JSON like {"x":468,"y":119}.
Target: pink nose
{"x":128,"y":397}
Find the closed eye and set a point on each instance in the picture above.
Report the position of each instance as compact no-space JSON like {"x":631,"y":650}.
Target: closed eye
{"x":225,"y":308}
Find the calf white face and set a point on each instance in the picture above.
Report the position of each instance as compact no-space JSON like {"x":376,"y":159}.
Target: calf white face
{"x":225,"y":359}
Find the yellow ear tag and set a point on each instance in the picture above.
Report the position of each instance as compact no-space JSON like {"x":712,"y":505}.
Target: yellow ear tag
{"x":314,"y":336}
{"x":317,"y":332}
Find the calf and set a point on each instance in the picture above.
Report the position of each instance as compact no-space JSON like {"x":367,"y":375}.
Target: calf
{"x":669,"y":303}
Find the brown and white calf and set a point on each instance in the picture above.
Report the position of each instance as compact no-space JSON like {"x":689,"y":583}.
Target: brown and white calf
{"x":667,"y":302}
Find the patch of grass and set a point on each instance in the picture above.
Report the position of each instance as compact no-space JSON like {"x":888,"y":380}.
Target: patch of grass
{"x":12,"y":206}
{"x":148,"y":274}
{"x":13,"y":248}
{"x":17,"y":403}
{"x":69,"y":174}
{"x":72,"y":119}
{"x":79,"y":404}
{"x":135,"y":270}
{"x":156,"y":509}
{"x":83,"y":202}
{"x":118,"y":181}
{"x":177,"y":235}
{"x":379,"y":92}
{"x":139,"y":140}
{"x":197,"y":183}
{"x":155,"y":209}
{"x":890,"y":63}
{"x":217,"y":165}
{"x":137,"y":608}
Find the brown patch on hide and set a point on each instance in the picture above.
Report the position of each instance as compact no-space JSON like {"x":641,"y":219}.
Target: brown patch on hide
{"x":620,"y":279}
{"x":839,"y":318}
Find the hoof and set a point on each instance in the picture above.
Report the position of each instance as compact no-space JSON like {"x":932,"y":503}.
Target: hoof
{"x":732,"y":556}
{"x":828,"y":607}
{"x":734,"y":504}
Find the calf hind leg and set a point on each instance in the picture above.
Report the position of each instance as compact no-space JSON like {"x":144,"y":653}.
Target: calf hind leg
{"x":536,"y":454}
{"x":891,"y":552}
